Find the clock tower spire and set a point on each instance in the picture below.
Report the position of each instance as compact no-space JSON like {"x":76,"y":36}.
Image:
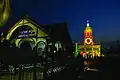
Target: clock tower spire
{"x":88,"y":38}
{"x":88,"y":23}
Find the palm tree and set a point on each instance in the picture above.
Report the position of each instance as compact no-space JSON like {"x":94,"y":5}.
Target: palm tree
{"x":4,"y":11}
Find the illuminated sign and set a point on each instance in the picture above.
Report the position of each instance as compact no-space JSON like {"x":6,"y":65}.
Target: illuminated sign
{"x":27,"y":33}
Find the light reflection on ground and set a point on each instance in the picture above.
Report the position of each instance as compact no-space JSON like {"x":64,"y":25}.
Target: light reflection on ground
{"x":89,"y":65}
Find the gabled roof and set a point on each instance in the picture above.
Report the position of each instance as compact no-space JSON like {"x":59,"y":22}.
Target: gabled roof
{"x":57,"y":31}
{"x":12,"y":23}
{"x":35,"y":23}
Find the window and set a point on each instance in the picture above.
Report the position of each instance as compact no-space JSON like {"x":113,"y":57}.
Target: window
{"x":88,"y":49}
{"x":96,"y":49}
{"x":41,"y":45}
{"x":50,"y":44}
{"x":58,"y":45}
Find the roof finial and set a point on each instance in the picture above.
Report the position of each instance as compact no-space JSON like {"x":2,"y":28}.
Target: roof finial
{"x":25,"y":15}
{"x":88,"y":23}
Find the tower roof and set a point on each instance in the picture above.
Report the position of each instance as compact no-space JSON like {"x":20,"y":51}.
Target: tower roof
{"x":88,"y":28}
{"x":88,"y":23}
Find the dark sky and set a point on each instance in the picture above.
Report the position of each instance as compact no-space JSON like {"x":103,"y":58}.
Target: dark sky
{"x":104,"y":15}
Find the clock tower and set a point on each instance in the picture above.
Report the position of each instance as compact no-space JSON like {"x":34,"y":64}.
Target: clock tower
{"x":88,"y":38}
{"x":89,"y":48}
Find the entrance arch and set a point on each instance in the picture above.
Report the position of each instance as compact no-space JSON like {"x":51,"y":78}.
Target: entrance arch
{"x":26,"y":45}
{"x":26,"y":42}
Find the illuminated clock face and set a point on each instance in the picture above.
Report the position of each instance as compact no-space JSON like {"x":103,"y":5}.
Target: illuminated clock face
{"x":88,"y":40}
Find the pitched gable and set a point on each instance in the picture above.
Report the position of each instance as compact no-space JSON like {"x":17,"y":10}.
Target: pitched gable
{"x":29,"y":22}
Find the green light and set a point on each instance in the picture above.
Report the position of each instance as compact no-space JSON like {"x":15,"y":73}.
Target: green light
{"x":76,"y":50}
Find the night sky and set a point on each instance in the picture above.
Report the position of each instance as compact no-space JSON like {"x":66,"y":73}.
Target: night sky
{"x":104,"y":15}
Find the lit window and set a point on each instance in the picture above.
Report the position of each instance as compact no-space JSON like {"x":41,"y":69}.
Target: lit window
{"x":50,"y":44}
{"x":41,"y":45}
{"x":58,"y":45}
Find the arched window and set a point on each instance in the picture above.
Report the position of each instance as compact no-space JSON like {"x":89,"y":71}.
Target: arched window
{"x":27,"y":45}
{"x":26,"y":40}
{"x":41,"y":45}
{"x":50,"y":44}
{"x":58,"y":45}
{"x":40,"y":48}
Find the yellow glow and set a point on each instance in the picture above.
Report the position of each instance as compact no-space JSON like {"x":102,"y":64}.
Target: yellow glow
{"x":19,"y":24}
{"x":93,"y":49}
{"x":4,"y":12}
{"x":41,"y":39}
{"x":38,"y":32}
{"x":88,"y":29}
{"x":87,"y":41}
{"x":13,"y":29}
{"x":17,"y":41}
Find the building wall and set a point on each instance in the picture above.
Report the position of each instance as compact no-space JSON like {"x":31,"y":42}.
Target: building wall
{"x":39,"y":35}
{"x":91,"y":49}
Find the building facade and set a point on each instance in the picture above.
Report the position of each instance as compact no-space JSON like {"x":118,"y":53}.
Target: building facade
{"x":28,"y":30}
{"x":89,"y":48}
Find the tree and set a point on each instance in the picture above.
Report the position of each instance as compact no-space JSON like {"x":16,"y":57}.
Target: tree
{"x":4,"y":11}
